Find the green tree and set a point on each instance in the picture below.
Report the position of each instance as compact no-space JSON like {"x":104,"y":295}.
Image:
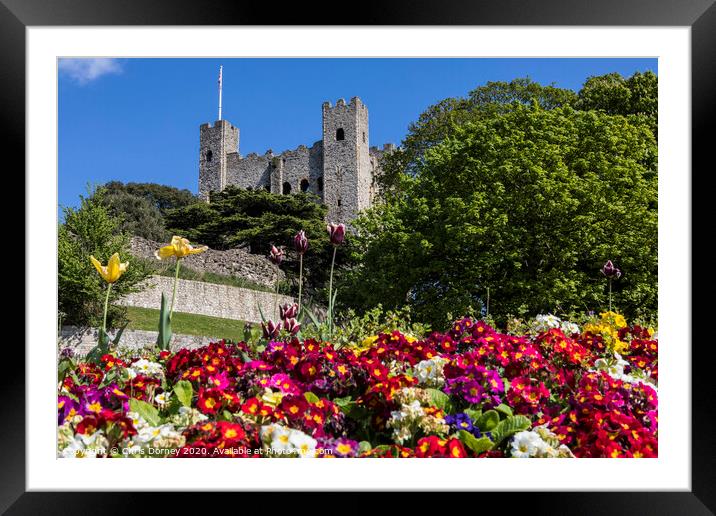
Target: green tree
{"x":257,"y":219}
{"x":91,"y":230}
{"x":437,"y":122}
{"x":137,"y":215}
{"x":164,"y":197}
{"x":615,"y":95}
{"x":528,"y":202}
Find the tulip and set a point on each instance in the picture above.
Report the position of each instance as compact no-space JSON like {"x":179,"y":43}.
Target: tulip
{"x":292,"y":326}
{"x":179,"y":248}
{"x":288,"y":311}
{"x":271,"y":329}
{"x":276,"y":255}
{"x":300,"y":242}
{"x":337,"y":233}
{"x":612,"y":273}
{"x":110,"y":273}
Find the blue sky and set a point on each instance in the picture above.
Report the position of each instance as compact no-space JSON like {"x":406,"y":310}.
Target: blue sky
{"x":138,"y":119}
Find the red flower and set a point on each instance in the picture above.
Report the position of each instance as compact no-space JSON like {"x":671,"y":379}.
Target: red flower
{"x":210,"y":400}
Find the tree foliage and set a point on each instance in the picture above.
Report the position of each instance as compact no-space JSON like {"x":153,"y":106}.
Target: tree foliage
{"x":529,"y":202}
{"x":91,"y":230}
{"x":257,"y":219}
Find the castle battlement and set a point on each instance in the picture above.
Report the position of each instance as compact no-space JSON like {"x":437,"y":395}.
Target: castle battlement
{"x":340,"y":169}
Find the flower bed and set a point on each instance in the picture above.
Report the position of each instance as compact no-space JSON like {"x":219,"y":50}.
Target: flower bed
{"x":556,"y":391}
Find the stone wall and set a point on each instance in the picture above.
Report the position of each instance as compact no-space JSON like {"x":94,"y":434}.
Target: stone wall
{"x":232,"y":262}
{"x":82,"y":340}
{"x":196,"y":297}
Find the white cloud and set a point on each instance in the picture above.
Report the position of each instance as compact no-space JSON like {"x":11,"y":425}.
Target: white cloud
{"x":86,"y":70}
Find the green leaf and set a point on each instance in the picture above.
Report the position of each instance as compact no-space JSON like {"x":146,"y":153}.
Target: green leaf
{"x":439,"y":399}
{"x":477,"y":445}
{"x":509,"y":426}
{"x":115,"y":341}
{"x":364,"y":446}
{"x":488,"y":420}
{"x":474,"y":414}
{"x":310,"y":397}
{"x":165,"y":326}
{"x":261,"y":312}
{"x":145,"y":410}
{"x":503,"y":409}
{"x":184,"y":391}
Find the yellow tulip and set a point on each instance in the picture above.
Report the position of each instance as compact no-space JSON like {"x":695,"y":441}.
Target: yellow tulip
{"x":113,"y":270}
{"x":180,"y":247}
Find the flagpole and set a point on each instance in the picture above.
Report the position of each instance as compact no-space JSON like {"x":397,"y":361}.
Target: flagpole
{"x":221,"y":70}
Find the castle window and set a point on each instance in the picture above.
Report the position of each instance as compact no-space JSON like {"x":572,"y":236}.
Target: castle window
{"x":340,"y":134}
{"x":209,"y":155}
{"x":268,"y":188}
{"x":339,"y":202}
{"x":286,"y":188}
{"x":320,"y":183}
{"x":304,"y":185}
{"x":363,"y":136}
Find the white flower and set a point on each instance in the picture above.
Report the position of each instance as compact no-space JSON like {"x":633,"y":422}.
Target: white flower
{"x":525,"y":444}
{"x":430,"y":372}
{"x":147,"y":368}
{"x":304,"y":444}
{"x":162,"y":398}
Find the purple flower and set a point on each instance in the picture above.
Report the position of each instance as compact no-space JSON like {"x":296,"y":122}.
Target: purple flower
{"x":300,"y":242}
{"x":276,"y":255}
{"x":271,"y":329}
{"x":337,"y":233}
{"x":66,"y":408}
{"x":610,"y":270}
{"x":292,"y":326}
{"x":460,"y":421}
{"x":288,"y":311}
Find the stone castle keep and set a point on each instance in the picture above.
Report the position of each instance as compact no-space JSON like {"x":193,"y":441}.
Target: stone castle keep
{"x":340,"y":168}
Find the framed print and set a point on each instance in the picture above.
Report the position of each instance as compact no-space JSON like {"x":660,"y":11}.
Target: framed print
{"x":428,"y":233}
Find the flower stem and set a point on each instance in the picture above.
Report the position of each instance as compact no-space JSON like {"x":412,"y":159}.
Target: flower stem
{"x":174,"y":291}
{"x":330,"y":295}
{"x":106,"y":307}
{"x":300,"y":280}
{"x":610,"y":294}
{"x":275,"y":296}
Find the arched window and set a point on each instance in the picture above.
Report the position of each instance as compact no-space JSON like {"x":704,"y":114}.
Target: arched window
{"x":304,"y":185}
{"x":209,"y":156}
{"x":340,"y":134}
{"x":268,"y":188}
{"x":320,"y":183}
{"x":286,"y":188}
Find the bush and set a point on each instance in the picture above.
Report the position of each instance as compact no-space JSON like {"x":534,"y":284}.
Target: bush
{"x":91,"y":230}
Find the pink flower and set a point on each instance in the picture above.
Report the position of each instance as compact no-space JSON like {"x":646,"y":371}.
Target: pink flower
{"x":337,"y":233}
{"x":276,"y":255}
{"x":300,"y":242}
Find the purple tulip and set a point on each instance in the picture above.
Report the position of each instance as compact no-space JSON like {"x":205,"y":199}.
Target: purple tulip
{"x":300,"y":242}
{"x":288,"y":311}
{"x":276,"y":255}
{"x":291,"y":326}
{"x":337,"y":233}
{"x":610,"y":271}
{"x":271,"y":329}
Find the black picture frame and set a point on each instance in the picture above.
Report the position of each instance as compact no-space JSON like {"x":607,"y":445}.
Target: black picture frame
{"x":700,"y":15}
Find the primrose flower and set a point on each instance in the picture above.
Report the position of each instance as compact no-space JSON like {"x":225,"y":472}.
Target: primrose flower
{"x":300,"y":242}
{"x":337,"y":233}
{"x":180,"y":248}
{"x":276,"y":255}
{"x":113,"y":270}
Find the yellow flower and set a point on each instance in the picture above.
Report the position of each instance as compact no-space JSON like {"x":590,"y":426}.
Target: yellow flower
{"x":180,"y":247}
{"x":113,"y":270}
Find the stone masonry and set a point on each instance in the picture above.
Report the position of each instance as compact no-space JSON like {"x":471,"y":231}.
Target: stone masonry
{"x":196,"y":297}
{"x":232,"y":262}
{"x":340,"y":169}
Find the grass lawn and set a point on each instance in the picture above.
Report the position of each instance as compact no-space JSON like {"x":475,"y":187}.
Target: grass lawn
{"x":187,"y":324}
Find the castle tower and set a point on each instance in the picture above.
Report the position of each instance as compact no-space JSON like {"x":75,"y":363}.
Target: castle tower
{"x":346,"y":160}
{"x":215,"y":143}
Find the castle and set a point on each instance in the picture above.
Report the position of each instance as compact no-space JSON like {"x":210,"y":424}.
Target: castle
{"x":340,"y":169}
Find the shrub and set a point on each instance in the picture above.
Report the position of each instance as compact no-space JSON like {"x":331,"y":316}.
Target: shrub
{"x":91,"y":230}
